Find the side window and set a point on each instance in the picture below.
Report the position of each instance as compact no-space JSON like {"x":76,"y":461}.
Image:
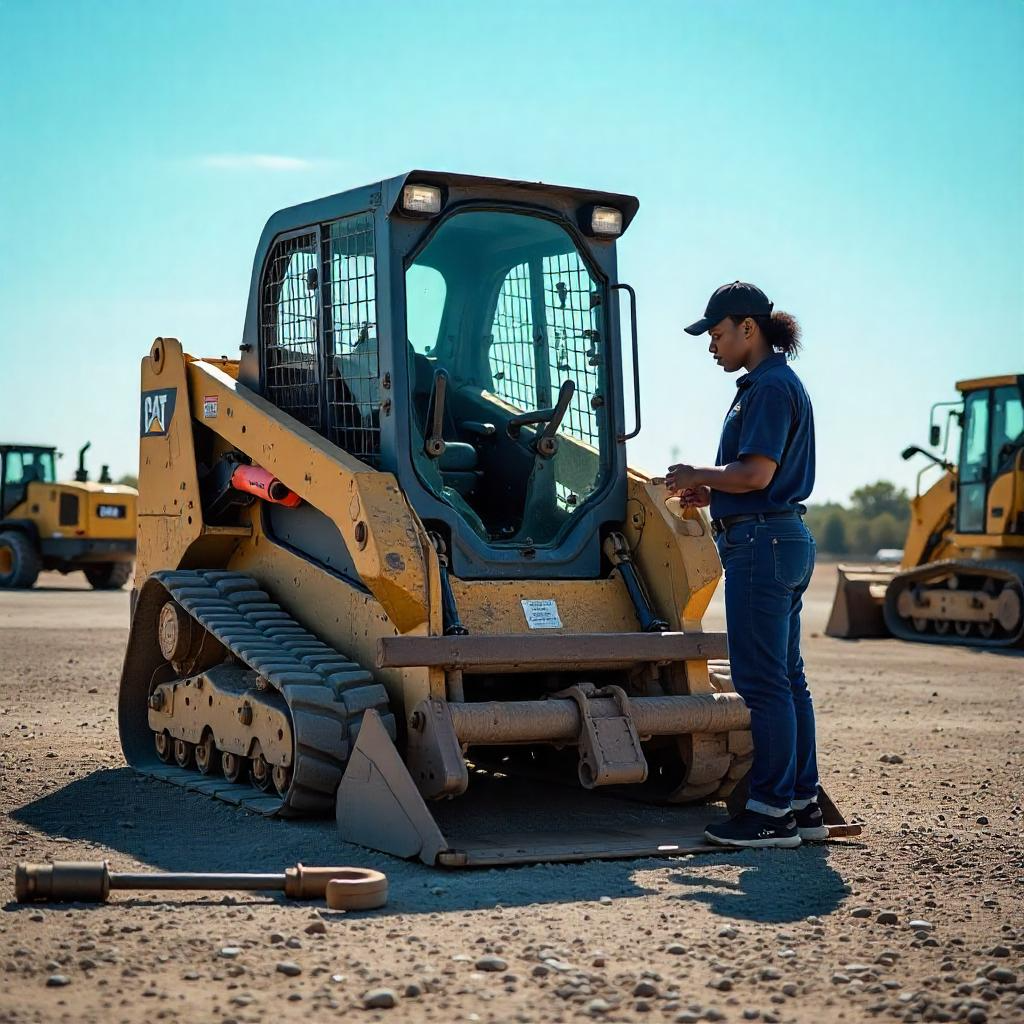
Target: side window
{"x":511,"y":354}
{"x":575,"y":351}
{"x":289,"y":328}
{"x":351,"y":358}
{"x":424,"y":306}
{"x":1007,"y":426}
{"x":13,"y":470}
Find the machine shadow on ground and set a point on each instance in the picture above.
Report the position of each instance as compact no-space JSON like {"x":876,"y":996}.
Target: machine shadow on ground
{"x":174,"y":829}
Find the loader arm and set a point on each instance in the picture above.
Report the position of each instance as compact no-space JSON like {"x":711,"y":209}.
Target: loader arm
{"x":390,"y":549}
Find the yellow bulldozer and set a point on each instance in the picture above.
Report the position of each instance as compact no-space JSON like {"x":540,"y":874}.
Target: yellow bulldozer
{"x":961,"y":579}
{"x":73,"y":525}
{"x":393,"y":554}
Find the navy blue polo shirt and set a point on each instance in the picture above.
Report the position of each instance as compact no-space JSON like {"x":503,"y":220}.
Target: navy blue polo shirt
{"x":772,"y":416}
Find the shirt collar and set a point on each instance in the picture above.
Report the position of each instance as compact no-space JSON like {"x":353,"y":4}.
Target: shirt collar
{"x":775,"y":359}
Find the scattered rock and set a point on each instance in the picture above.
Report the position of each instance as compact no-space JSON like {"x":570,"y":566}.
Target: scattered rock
{"x":891,"y":759}
{"x":380,"y":999}
{"x":722,"y":984}
{"x":999,"y":951}
{"x":597,"y":1007}
{"x":982,"y":820}
{"x":860,"y":912}
{"x":1002,"y":975}
{"x":676,"y":950}
{"x":645,"y":989}
{"x":57,"y":981}
{"x":920,"y":926}
{"x":728,"y":932}
{"x":976,"y":1016}
{"x":288,"y":967}
{"x":413,"y":991}
{"x":491,"y":963}
{"x":316,"y":928}
{"x":888,"y":917}
{"x":230,"y":952}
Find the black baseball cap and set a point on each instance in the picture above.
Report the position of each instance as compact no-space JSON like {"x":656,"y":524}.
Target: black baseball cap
{"x":735,"y":299}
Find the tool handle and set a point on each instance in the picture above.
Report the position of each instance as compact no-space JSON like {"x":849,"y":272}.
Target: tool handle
{"x":62,"y":881}
{"x":195,"y":880}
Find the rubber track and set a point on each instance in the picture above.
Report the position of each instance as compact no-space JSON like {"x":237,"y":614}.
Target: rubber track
{"x":904,"y":630}
{"x":325,"y":692}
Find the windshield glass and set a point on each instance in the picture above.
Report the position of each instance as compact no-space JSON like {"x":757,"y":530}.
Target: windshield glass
{"x":26,"y":467}
{"x":506,"y":306}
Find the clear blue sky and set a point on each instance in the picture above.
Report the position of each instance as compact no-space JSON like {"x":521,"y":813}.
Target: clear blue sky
{"x":863,"y":162}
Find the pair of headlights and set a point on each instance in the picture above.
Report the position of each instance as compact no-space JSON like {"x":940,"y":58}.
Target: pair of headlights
{"x":426,"y":199}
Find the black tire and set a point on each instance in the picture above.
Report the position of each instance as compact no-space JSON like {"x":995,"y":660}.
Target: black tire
{"x":108,"y":575}
{"x":20,"y":559}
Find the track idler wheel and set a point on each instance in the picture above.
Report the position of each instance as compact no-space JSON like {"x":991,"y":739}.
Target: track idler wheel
{"x":282,"y":777}
{"x":206,"y":755}
{"x":164,"y":746}
{"x":184,"y":754}
{"x":233,"y":766}
{"x":260,"y":774}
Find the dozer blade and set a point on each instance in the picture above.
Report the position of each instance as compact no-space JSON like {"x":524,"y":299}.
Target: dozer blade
{"x":857,"y":611}
{"x":502,"y":820}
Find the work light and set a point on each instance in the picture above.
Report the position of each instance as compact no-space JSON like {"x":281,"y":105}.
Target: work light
{"x":421,"y":199}
{"x":606,"y":221}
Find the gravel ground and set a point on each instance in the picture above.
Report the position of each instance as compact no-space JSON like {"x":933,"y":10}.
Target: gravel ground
{"x":920,"y":919}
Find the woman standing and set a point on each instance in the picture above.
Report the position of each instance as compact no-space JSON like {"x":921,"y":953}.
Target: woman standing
{"x":764,"y":471}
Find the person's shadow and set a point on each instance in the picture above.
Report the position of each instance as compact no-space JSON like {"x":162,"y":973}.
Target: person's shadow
{"x":775,"y":886}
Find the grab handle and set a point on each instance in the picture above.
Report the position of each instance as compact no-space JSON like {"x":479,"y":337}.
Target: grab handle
{"x":636,"y":360}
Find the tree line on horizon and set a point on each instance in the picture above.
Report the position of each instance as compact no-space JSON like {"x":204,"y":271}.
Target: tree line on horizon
{"x":877,"y":517}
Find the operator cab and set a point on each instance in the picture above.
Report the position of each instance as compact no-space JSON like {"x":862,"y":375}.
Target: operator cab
{"x":21,"y":465}
{"x":463,"y":334}
{"x":992,"y":436}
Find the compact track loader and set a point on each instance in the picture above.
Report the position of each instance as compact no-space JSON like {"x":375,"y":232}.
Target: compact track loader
{"x":961,"y":579}
{"x":64,"y":527}
{"x":394,"y":553}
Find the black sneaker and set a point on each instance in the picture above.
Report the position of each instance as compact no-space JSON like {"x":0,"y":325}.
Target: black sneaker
{"x":809,"y":822}
{"x":749,"y":828}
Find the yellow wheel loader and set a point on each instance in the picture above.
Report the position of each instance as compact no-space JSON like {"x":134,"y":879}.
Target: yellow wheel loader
{"x":961,"y":579}
{"x":393,"y":554}
{"x":62,"y":526}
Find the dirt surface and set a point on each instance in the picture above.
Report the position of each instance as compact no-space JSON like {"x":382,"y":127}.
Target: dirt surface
{"x":925,"y":745}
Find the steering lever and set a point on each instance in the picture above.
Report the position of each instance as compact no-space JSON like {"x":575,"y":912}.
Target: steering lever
{"x":546,"y":444}
{"x":433,"y":445}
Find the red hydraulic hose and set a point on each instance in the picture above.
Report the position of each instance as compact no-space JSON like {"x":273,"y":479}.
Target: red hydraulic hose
{"x":265,"y":485}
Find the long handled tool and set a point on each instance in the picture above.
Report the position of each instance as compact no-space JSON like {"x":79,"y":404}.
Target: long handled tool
{"x":92,"y":881}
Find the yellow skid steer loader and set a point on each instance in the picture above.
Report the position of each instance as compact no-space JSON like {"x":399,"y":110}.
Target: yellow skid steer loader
{"x":394,"y":555}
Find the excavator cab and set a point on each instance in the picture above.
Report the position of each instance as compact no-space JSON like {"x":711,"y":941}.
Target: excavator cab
{"x":990,"y":446}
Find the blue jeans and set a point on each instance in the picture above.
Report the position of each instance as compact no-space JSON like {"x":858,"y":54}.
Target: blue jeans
{"x":767,"y":568}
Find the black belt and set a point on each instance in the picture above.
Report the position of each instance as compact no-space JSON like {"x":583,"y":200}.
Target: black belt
{"x":719,"y":526}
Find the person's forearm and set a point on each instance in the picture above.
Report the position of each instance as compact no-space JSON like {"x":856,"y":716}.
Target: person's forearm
{"x":735,"y":478}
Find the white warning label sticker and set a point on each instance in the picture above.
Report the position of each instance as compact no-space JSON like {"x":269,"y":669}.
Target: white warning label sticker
{"x":541,"y":614}
{"x":210,"y":404}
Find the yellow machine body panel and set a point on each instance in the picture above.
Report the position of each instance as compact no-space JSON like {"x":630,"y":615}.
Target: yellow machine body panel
{"x":87,"y":510}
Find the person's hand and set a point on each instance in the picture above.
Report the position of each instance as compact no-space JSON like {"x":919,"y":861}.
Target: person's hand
{"x":695,"y":497}
{"x":680,"y":478}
